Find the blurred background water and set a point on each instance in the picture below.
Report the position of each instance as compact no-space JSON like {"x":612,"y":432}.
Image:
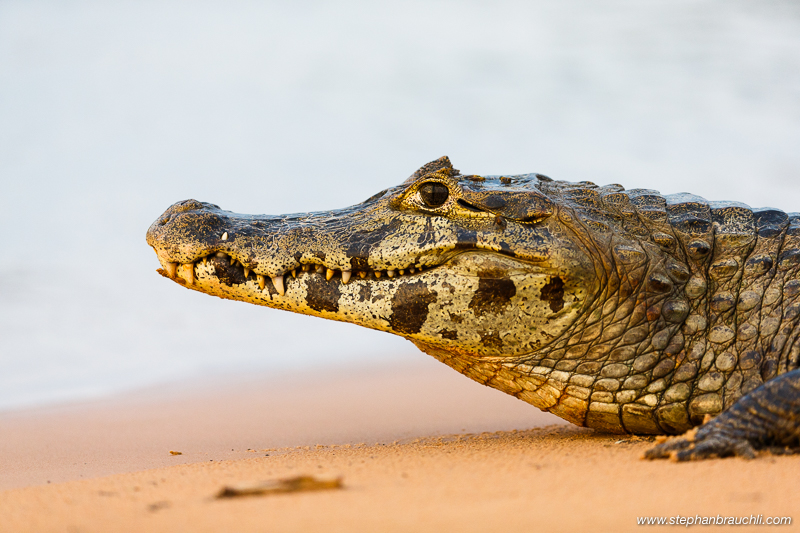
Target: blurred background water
{"x":112,"y":111}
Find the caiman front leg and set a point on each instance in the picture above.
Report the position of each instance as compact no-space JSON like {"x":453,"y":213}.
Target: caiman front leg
{"x":766,"y":418}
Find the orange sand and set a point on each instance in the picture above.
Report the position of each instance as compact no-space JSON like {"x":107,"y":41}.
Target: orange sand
{"x":549,"y":478}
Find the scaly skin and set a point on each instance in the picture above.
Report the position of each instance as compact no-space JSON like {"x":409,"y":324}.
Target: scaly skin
{"x":624,"y":311}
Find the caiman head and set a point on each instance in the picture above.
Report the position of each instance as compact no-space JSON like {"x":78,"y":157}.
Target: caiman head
{"x":487,"y":274}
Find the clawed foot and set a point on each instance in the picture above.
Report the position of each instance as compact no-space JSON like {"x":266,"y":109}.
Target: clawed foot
{"x":704,"y":442}
{"x":766,"y":419}
{"x":688,"y":447}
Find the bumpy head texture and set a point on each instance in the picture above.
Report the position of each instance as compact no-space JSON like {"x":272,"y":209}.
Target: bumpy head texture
{"x":619,"y":310}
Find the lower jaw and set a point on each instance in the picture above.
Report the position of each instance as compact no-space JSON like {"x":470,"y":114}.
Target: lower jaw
{"x":424,"y":307}
{"x":309,"y":293}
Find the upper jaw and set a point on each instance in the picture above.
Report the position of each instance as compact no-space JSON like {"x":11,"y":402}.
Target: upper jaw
{"x":272,"y":247}
{"x":185,"y":272}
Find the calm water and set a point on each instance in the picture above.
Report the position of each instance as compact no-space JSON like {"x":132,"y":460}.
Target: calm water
{"x":110,"y":112}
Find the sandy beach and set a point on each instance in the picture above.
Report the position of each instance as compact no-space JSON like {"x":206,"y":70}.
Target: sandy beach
{"x":417,"y":447}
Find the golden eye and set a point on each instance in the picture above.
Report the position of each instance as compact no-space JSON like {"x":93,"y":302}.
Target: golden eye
{"x":434,"y":194}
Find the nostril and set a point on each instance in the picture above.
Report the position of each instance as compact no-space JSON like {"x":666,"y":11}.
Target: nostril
{"x":164,"y":220}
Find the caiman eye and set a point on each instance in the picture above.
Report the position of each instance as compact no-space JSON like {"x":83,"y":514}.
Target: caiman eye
{"x":434,"y":194}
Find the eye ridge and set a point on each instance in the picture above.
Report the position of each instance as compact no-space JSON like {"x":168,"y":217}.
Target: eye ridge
{"x":434,"y":194}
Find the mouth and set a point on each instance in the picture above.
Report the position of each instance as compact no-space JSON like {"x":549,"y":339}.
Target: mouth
{"x":230,"y":270}
{"x":480,"y":303}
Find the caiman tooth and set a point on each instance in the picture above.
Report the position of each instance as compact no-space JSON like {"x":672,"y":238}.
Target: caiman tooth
{"x":225,"y":236}
{"x":189,"y":268}
{"x":329,"y":274}
{"x":306,"y":268}
{"x":346,"y":276}
{"x":171,"y":269}
{"x":205,"y":259}
{"x":294,"y":272}
{"x":390,"y":273}
{"x":411,"y":270}
{"x":262,"y":281}
{"x":319,"y":269}
{"x":402,"y":271}
{"x":377,"y":273}
{"x":362,"y":274}
{"x":246,"y":272}
{"x":278,"y":282}
{"x":233,"y":260}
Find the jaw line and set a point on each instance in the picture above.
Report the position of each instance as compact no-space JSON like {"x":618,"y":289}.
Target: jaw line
{"x":189,"y":274}
{"x":296,"y":294}
{"x":221,"y":277}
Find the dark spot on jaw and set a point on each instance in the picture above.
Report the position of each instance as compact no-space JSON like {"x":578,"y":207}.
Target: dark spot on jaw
{"x":323,"y":295}
{"x":365,"y":292}
{"x":553,"y":293}
{"x":228,"y":274}
{"x":358,"y":259}
{"x":491,"y":340}
{"x":410,"y":307}
{"x":448,"y":334}
{"x":492,"y":296}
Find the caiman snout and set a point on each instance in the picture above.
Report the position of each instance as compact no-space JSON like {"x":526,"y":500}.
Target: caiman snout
{"x":270,"y":247}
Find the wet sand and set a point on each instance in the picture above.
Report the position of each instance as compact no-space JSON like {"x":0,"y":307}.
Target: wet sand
{"x":418,"y":448}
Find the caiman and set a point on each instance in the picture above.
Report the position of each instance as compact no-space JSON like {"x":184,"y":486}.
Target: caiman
{"x":623,"y":311}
